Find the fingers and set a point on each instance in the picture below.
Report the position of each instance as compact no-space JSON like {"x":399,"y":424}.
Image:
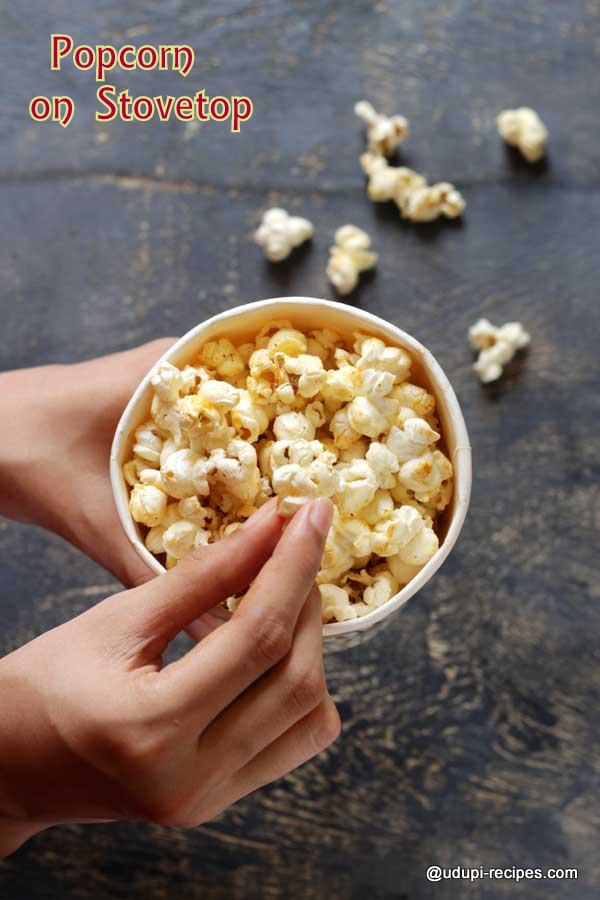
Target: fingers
{"x":167,"y":604}
{"x":260,"y":634}
{"x":286,"y":694}
{"x":308,"y":737}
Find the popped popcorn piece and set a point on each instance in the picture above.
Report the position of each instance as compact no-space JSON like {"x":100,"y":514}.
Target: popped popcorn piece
{"x":402,"y":572}
{"x":185,"y":473}
{"x":166,"y":381}
{"x":357,"y":486}
{"x":220,"y":393}
{"x":182,"y":537}
{"x":420,"y":549}
{"x":279,"y":233}
{"x":147,"y":504}
{"x":383,"y":464}
{"x":384,"y":133}
{"x":424,"y":475}
{"x":237,"y":467}
{"x":365,"y":418}
{"x":523,"y":128}
{"x":336,"y":603}
{"x":222,"y":356}
{"x":496,"y":346}
{"x":414,"y":397}
{"x":396,"y":530}
{"x":154,"y":537}
{"x":249,"y":418}
{"x":411,"y":440}
{"x":344,"y":435}
{"x":148,"y":443}
{"x":382,"y":589}
{"x":289,"y":341}
{"x":302,"y":416}
{"x":293,"y":426}
{"x":349,"y":256}
{"x":417,"y":200}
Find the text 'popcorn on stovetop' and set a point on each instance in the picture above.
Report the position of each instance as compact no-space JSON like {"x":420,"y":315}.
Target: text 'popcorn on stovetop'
{"x":299,"y":415}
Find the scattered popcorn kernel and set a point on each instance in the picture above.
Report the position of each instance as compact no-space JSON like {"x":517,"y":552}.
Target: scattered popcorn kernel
{"x":417,"y":200}
{"x":523,"y":128}
{"x":349,"y":256}
{"x":383,"y":134}
{"x":299,"y":416}
{"x":496,"y":346}
{"x":279,"y":233}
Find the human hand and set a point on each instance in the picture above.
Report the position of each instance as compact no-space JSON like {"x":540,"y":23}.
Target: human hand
{"x":54,"y":457}
{"x":93,"y":727}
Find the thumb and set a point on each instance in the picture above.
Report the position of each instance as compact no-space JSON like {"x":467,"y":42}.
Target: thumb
{"x":169,"y":603}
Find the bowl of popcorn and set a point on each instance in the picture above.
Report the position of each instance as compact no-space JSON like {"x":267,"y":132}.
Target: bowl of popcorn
{"x":299,"y":398}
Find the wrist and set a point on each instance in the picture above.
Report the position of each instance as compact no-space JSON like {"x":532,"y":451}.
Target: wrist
{"x":29,"y":401}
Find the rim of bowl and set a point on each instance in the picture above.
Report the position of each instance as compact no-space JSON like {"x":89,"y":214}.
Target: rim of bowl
{"x":461,"y":454}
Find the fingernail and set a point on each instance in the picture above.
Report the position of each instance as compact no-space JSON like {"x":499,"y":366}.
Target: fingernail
{"x":320,"y":514}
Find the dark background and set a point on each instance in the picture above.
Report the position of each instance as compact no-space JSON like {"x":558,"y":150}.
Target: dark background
{"x":472,"y":723}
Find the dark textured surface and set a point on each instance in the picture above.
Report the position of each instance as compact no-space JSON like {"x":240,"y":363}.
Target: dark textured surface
{"x":471,"y":724}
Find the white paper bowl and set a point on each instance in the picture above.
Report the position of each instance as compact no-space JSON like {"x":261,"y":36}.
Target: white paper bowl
{"x":306,"y":313}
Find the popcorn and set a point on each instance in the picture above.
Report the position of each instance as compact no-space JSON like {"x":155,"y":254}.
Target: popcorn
{"x":412,"y":440}
{"x":383,"y":463}
{"x":349,"y":256}
{"x":374,"y":354}
{"x":523,"y":128}
{"x":309,"y":371}
{"x":293,"y":426}
{"x":182,"y":537}
{"x":424,"y":475}
{"x":279,"y":233}
{"x":299,"y":415}
{"x":417,"y":200}
{"x":402,"y":572}
{"x":249,"y":418}
{"x":357,"y":486}
{"x":496,"y":346}
{"x":344,"y":435}
{"x":420,"y":549}
{"x":185,"y":473}
{"x":220,"y":394}
{"x":288,"y":341}
{"x":166,"y":381}
{"x":396,"y":530}
{"x":222,"y":356}
{"x":336,"y":603}
{"x":384,"y":134}
{"x":414,"y":397}
{"x":147,"y":504}
{"x":365,"y":418}
{"x":382,"y":589}
{"x":237,"y":468}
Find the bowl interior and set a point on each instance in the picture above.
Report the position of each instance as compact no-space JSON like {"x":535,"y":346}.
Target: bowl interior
{"x":242,"y":324}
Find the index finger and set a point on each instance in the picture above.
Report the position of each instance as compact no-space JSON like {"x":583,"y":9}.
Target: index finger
{"x":260,"y":634}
